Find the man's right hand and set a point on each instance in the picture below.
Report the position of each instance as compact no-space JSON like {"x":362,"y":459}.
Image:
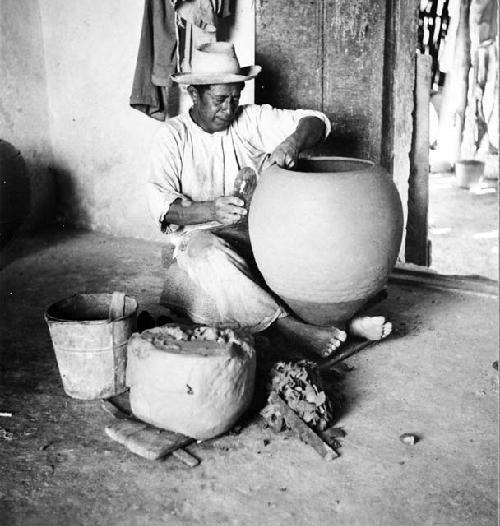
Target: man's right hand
{"x":228,"y":210}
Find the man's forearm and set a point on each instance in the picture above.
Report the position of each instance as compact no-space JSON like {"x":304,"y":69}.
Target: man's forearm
{"x":226,"y":210}
{"x":309,"y":132}
{"x":190,"y":212}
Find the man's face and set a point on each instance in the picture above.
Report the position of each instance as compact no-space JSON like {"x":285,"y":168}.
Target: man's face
{"x":215,"y":109}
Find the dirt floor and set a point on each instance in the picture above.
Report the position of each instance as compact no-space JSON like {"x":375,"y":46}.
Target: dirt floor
{"x":463,"y":227}
{"x":433,"y":377}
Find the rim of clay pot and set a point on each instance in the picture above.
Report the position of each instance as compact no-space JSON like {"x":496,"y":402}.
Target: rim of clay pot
{"x":323,"y":164}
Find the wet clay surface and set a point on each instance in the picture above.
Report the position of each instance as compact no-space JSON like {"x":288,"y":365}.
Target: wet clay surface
{"x":433,"y":378}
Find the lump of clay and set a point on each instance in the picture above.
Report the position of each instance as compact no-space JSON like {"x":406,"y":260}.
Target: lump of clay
{"x":192,"y":380}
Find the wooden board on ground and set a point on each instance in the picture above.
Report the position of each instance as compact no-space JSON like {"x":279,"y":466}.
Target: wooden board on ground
{"x":145,"y":440}
{"x":300,"y":429}
{"x":351,"y":348}
{"x":430,"y":279}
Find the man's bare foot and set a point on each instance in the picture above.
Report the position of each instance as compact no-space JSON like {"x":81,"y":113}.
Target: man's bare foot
{"x":322,"y":341}
{"x":370,"y":327}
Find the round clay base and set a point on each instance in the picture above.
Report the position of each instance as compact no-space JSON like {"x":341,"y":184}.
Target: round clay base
{"x":325,"y":314}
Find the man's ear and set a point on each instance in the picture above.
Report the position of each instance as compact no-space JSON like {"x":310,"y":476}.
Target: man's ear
{"x":193,"y":93}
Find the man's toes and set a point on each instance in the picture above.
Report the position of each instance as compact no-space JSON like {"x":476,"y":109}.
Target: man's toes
{"x":339,"y":335}
{"x":386,"y":329}
{"x":328,"y":351}
{"x":331,"y":347}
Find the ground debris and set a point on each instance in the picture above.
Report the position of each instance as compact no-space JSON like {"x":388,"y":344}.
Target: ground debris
{"x":331,"y":436}
{"x":6,"y":435}
{"x":409,"y":438}
{"x":495,"y":365}
{"x":298,"y":427}
{"x":300,"y":386}
{"x":298,"y":403}
{"x":186,"y":457}
{"x":335,"y":432}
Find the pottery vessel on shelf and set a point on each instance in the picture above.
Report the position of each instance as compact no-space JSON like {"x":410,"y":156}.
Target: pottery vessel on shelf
{"x":326,"y":235}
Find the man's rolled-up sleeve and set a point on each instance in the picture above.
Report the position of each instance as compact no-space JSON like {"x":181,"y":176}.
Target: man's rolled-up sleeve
{"x":272,"y":126}
{"x":164,"y":184}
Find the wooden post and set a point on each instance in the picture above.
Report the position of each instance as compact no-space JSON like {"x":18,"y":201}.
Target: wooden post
{"x":456,"y":86}
{"x":397,"y":103}
{"x":462,"y":67}
{"x":416,"y":247}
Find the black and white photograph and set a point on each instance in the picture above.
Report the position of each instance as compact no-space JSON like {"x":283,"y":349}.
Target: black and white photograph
{"x":249,"y":263}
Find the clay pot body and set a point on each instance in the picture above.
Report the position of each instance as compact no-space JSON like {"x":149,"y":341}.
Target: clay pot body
{"x":327,"y":235}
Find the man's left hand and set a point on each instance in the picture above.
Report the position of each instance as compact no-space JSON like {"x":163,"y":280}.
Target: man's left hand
{"x":286,"y":154}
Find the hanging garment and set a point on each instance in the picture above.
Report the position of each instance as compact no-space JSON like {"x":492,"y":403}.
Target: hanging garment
{"x":197,"y":25}
{"x":191,"y":37}
{"x":203,"y":13}
{"x":153,"y":92}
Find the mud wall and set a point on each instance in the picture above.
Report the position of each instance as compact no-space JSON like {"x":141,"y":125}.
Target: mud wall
{"x":24,"y":114}
{"x":101,"y":145}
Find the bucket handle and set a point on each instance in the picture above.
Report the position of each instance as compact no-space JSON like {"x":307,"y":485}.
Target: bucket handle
{"x":117,"y":306}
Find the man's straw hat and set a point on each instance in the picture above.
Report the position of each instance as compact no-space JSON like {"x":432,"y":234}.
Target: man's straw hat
{"x":216,"y":63}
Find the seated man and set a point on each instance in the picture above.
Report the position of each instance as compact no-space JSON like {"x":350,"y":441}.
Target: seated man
{"x":194,"y":162}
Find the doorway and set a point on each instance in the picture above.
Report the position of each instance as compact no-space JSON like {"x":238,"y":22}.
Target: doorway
{"x":461,"y":36}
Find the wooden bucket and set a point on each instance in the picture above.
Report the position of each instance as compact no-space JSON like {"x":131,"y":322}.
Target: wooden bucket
{"x":91,"y":349}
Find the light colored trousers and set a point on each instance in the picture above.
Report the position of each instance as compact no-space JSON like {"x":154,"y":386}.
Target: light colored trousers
{"x":211,"y":278}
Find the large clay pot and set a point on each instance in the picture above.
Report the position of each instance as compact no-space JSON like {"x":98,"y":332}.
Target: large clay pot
{"x":326,"y":235}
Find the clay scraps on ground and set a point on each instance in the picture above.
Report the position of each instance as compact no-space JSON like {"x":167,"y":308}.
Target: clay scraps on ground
{"x":409,"y":438}
{"x":299,"y":386}
{"x":6,"y":435}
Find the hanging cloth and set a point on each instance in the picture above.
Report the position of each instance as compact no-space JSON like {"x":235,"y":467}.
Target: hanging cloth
{"x":197,"y":25}
{"x":203,"y":13}
{"x":153,"y":92}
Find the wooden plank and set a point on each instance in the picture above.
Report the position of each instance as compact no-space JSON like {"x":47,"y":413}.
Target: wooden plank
{"x":399,"y":73}
{"x":186,"y":457}
{"x":469,"y":284}
{"x":301,"y":429}
{"x":117,"y":306}
{"x":416,"y":243}
{"x":146,"y":441}
{"x":139,"y":443}
{"x":349,"y":350}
